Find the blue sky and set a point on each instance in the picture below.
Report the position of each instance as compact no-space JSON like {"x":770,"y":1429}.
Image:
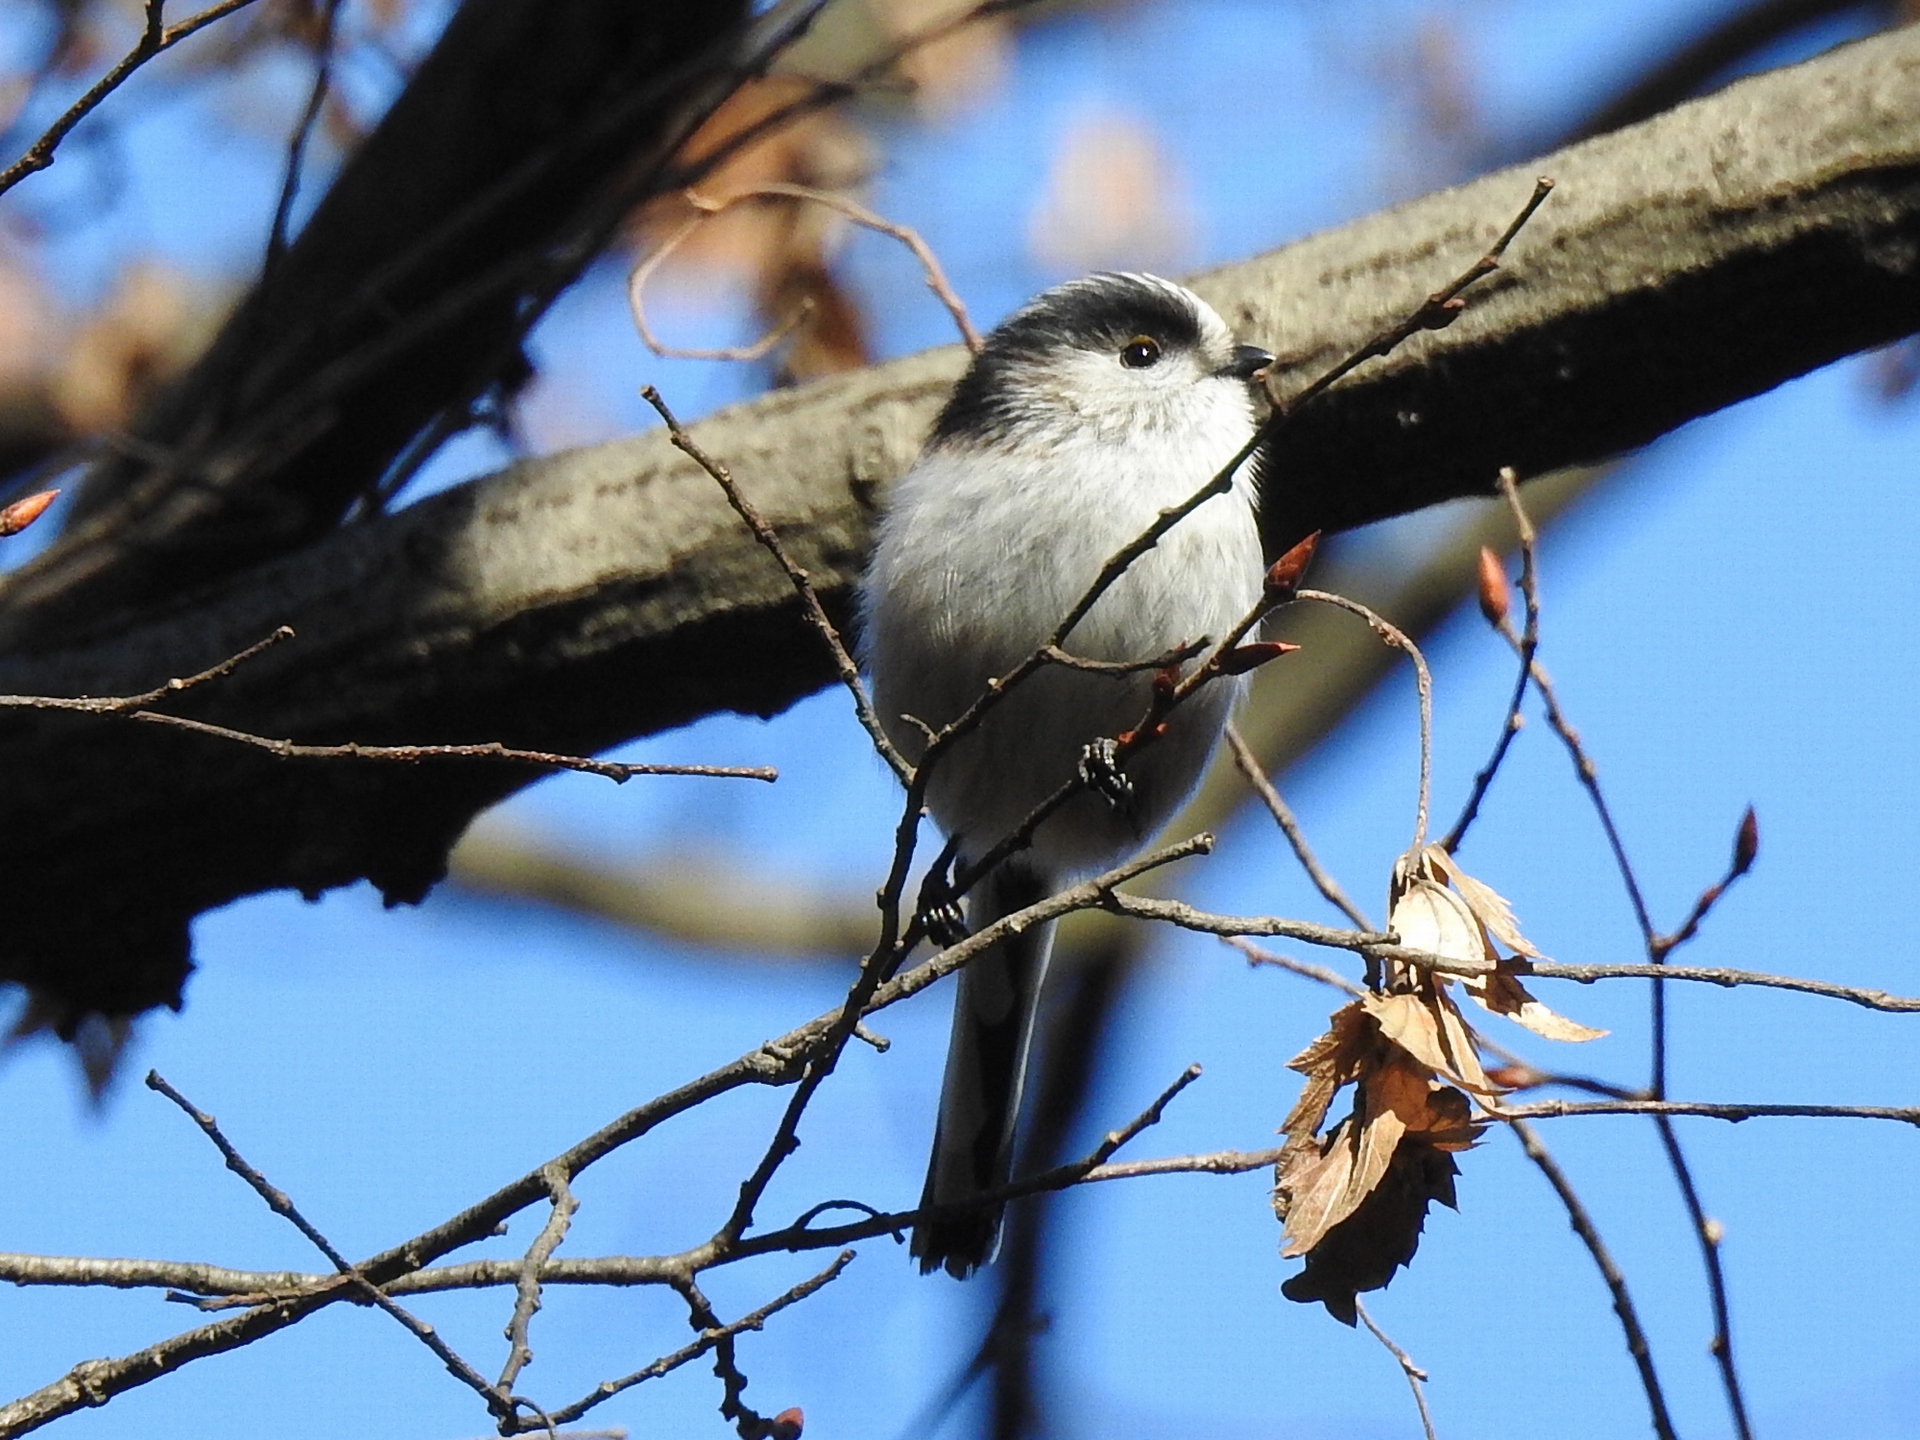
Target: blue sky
{"x":1728,"y":625}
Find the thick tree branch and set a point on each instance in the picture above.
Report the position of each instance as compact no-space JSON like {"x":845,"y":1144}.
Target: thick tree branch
{"x":576,"y":601}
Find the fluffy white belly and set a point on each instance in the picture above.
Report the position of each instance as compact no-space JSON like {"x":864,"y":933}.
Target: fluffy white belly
{"x":980,"y":559}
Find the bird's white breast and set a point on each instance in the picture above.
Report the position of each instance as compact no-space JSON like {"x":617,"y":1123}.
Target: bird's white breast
{"x":984,"y":550}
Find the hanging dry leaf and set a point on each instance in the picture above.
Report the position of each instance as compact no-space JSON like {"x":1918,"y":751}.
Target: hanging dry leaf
{"x":1433,"y":899}
{"x":1487,"y":905}
{"x":1503,"y":994}
{"x":1364,"y":1250}
{"x":1428,"y":916}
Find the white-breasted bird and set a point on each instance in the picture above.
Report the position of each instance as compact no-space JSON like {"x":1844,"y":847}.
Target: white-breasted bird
{"x":1087,"y":412}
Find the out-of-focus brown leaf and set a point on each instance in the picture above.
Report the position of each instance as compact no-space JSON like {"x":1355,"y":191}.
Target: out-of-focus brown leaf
{"x":1113,"y":200}
{"x":780,"y":247}
{"x":959,"y":67}
{"x":150,"y":326}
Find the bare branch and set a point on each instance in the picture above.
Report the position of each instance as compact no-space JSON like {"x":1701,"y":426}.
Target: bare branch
{"x":1416,"y":1377}
{"x":155,"y":37}
{"x":1559,"y":1109}
{"x":709,"y":207}
{"x":1583,"y":1226}
{"x":1283,"y":816}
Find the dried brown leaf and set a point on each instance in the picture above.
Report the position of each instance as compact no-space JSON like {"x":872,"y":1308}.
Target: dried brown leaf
{"x":1458,"y":1045}
{"x":1428,"y":916}
{"x":1485,"y":903}
{"x":1503,"y":994}
{"x":1314,"y":1187}
{"x":1331,"y":1061}
{"x":1364,"y":1250}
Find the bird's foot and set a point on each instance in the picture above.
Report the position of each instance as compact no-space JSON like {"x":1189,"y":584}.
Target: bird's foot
{"x":1100,"y":770}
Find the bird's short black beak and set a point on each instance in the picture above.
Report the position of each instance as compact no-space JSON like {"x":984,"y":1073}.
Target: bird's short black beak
{"x":1247,"y":361}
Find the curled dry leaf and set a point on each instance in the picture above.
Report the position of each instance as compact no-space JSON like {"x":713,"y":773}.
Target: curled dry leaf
{"x":1320,"y":1184}
{"x":1437,"y":906}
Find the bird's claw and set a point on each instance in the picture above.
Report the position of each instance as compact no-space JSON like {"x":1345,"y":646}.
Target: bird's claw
{"x":1101,"y":773}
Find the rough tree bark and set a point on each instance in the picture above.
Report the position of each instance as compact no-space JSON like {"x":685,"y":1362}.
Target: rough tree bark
{"x":579,"y":600}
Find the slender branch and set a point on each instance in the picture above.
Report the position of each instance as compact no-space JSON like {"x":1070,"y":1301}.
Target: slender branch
{"x":1559,"y":1109}
{"x":1283,"y":816}
{"x":1416,"y":1377}
{"x":1307,"y":971}
{"x":843,"y":661}
{"x":1423,"y":677}
{"x":1372,"y":945}
{"x":282,"y":1205}
{"x":1583,"y":1226}
{"x":705,"y":1341}
{"x":527,"y":1297}
{"x":1706,"y":1232}
{"x":302,"y":135}
{"x":1495,"y":608}
{"x":155,"y":37}
{"x":709,"y":207}
{"x":135,"y":707}
{"x":1714,"y":975}
{"x":1436,"y":312}
{"x":126,"y":704}
{"x":617,"y":771}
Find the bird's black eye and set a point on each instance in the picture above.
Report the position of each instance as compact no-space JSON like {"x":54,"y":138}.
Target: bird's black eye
{"x":1140,"y":352}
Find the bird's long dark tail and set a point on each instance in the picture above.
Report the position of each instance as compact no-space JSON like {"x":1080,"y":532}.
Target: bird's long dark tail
{"x":993,"y":1016}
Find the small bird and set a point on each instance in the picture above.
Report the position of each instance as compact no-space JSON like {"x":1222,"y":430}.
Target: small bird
{"x":1085,"y":414}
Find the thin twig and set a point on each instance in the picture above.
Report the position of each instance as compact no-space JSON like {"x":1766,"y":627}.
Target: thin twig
{"x":1305,"y":969}
{"x":1371,"y":944}
{"x":1527,"y":646}
{"x":1559,"y":1109}
{"x":527,"y":1296}
{"x":816,"y":612}
{"x":708,"y":207}
{"x":1715,"y":975}
{"x":704,"y":1342}
{"x":282,"y":1205}
{"x":297,"y":143}
{"x":126,"y":704}
{"x":1283,"y":816}
{"x":1436,"y":312}
{"x":1706,"y":1231}
{"x":617,"y":771}
{"x":1423,"y":678}
{"x":155,"y":36}
{"x":136,"y":707}
{"x":1583,"y":1226}
{"x":1416,"y":1377}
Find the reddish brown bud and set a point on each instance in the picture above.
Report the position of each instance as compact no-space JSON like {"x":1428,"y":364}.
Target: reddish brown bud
{"x":1495,"y":597}
{"x":787,"y":1425}
{"x":1746,"y":844}
{"x":22,"y":513}
{"x":1514,"y":1077}
{"x":1243,"y":658}
{"x":1285,"y":574}
{"x":1165,"y":681}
